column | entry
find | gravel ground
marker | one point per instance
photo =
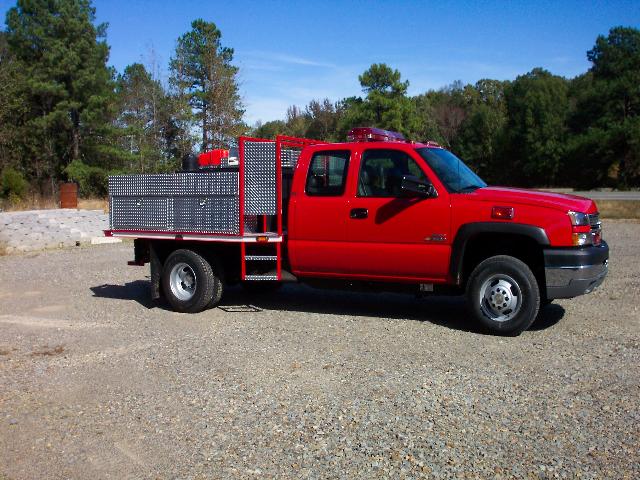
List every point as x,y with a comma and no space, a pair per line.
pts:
96,382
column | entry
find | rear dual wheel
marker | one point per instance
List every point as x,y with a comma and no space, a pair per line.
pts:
190,283
503,295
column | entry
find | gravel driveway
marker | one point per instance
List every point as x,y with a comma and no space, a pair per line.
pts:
96,382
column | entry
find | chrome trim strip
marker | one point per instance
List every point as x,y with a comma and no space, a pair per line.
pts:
200,238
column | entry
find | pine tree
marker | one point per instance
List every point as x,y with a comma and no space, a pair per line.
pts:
201,71
68,86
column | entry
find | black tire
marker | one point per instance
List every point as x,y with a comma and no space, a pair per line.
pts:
509,285
218,285
195,292
261,287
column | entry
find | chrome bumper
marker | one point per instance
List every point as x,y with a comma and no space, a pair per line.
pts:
575,271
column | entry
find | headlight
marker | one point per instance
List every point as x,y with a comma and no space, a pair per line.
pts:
586,229
579,219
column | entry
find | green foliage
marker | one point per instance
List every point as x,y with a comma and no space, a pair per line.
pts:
64,113
270,129
386,104
535,139
14,184
202,73
92,181
147,131
67,85
13,107
381,79
606,118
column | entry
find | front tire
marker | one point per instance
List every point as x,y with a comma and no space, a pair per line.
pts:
503,295
189,283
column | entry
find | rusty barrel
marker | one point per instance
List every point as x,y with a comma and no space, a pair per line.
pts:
68,195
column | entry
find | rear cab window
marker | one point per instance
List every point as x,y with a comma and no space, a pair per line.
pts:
327,175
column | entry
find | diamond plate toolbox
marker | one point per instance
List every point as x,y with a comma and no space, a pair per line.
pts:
289,157
259,178
199,202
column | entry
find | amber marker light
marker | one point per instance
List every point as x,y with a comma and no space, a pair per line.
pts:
502,213
262,239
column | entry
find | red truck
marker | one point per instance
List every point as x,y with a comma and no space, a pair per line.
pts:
377,212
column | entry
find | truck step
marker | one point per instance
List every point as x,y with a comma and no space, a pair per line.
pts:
286,276
261,277
261,257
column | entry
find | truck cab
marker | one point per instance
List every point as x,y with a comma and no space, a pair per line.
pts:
381,212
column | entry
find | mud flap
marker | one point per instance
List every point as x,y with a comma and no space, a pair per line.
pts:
156,271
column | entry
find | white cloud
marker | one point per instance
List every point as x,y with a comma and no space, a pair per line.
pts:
266,57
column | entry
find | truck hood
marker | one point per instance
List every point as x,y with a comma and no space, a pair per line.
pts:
558,201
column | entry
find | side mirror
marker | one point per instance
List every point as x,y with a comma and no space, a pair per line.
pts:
414,187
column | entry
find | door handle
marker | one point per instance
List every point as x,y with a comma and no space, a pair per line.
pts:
359,213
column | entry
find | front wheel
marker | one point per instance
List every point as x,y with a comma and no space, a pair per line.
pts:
189,282
503,295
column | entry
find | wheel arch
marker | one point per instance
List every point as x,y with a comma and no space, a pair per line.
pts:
227,256
477,241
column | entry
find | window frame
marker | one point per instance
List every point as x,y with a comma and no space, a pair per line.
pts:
345,174
362,162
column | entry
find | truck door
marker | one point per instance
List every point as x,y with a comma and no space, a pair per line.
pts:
392,235
319,209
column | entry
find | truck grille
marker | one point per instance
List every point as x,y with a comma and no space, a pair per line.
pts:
596,228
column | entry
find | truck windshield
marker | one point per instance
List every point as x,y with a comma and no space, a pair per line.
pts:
451,171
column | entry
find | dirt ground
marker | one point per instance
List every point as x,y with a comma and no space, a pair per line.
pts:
98,382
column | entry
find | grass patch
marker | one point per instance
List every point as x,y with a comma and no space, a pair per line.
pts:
42,202
94,204
619,208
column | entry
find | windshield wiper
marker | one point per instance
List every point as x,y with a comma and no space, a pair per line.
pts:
469,188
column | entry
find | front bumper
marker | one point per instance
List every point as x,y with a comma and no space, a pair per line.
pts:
570,272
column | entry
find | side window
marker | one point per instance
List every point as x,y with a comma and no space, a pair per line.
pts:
328,173
381,172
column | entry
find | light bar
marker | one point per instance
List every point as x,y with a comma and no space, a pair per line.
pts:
370,134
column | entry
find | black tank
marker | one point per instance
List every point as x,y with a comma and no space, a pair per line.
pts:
190,163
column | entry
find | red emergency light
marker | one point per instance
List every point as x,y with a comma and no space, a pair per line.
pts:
370,134
212,158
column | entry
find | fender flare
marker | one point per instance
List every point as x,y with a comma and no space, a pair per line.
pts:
469,230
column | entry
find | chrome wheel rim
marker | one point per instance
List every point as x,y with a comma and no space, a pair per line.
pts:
182,281
500,298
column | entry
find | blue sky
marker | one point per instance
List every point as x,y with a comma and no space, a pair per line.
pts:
292,52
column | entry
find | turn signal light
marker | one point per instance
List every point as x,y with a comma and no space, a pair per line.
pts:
502,213
581,239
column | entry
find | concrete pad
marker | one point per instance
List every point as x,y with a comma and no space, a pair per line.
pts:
104,240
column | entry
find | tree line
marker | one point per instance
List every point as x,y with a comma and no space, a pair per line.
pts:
540,129
66,115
